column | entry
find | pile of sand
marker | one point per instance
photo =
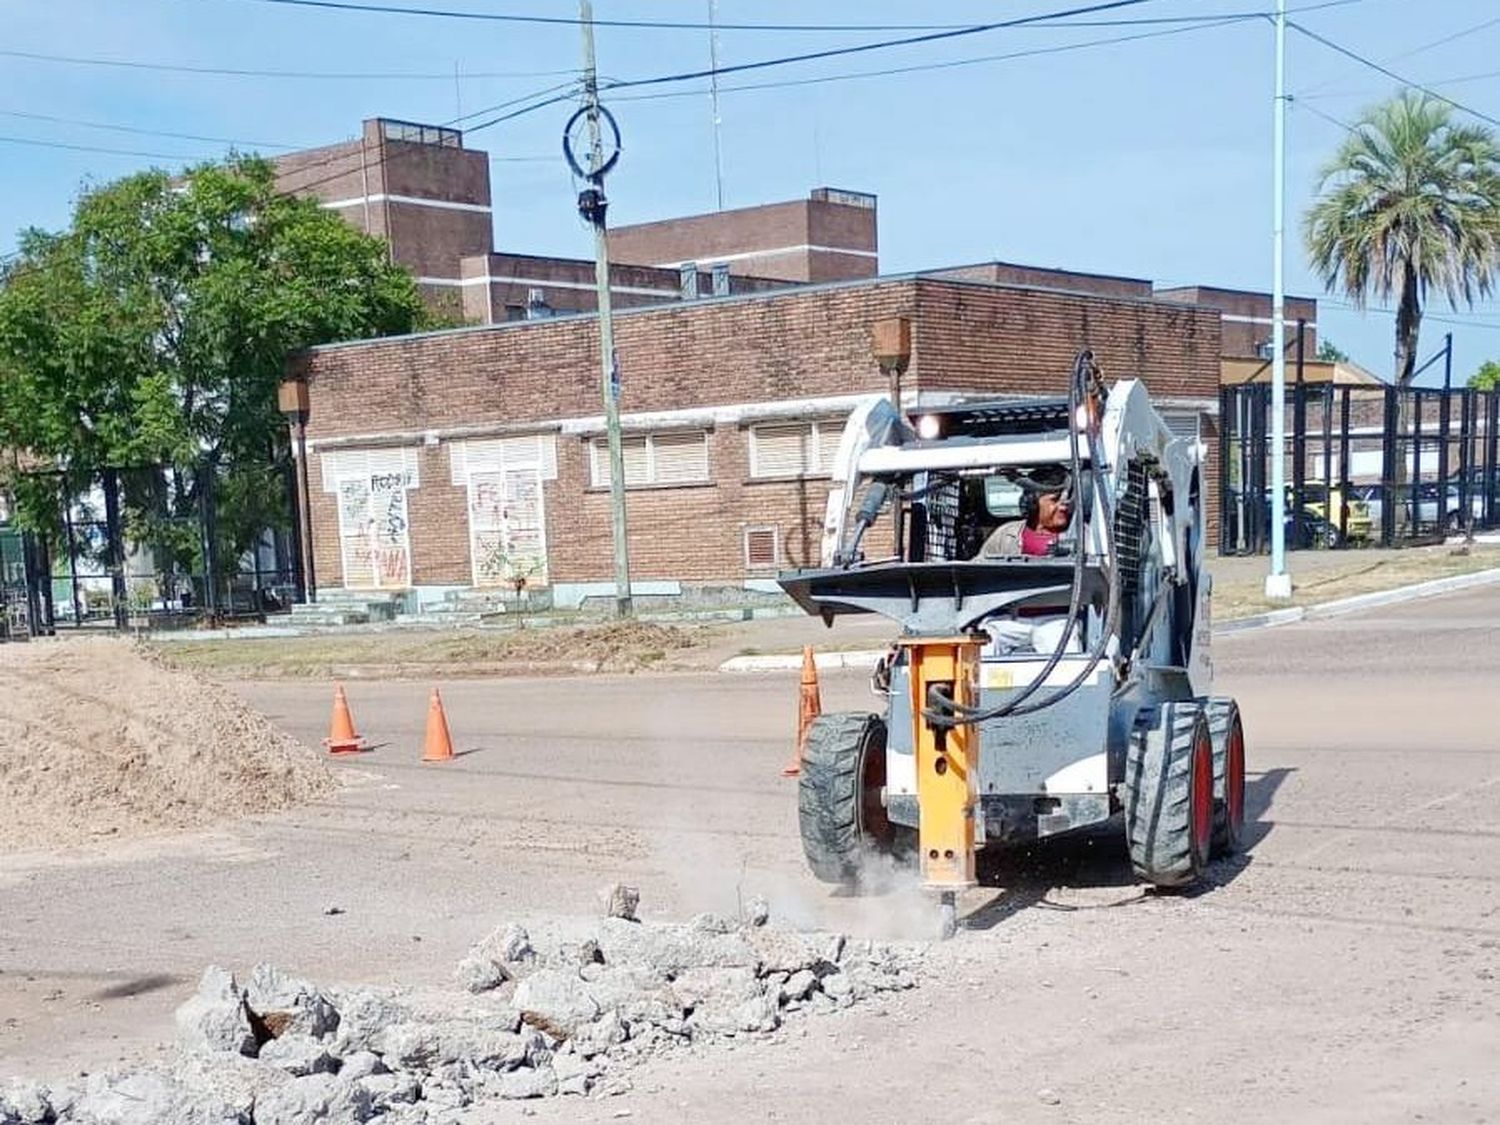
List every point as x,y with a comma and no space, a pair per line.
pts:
99,739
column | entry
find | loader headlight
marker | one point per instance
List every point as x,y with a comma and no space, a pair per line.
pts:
929,427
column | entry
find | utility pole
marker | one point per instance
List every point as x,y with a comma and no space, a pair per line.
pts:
592,205
713,93
1278,581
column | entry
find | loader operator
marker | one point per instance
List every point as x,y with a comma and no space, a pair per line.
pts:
1046,510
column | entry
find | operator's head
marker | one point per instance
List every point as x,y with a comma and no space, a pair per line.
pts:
1049,499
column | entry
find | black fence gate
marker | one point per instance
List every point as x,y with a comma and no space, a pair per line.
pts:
116,557
1365,465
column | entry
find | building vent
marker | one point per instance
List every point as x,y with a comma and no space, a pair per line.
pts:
721,279
687,280
762,548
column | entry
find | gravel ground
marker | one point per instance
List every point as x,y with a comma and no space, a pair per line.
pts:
1347,969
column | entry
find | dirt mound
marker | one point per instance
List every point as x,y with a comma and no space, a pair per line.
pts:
625,646
98,738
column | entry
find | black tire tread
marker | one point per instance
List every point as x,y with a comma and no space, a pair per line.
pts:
829,796
1159,794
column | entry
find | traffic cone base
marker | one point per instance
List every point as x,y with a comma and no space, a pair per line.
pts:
438,745
809,707
341,736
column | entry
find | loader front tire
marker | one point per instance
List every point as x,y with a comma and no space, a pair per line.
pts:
839,798
1169,790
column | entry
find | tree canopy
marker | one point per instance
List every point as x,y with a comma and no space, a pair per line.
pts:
1487,378
1329,352
155,329
1410,203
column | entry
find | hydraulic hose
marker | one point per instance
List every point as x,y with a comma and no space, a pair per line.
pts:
947,712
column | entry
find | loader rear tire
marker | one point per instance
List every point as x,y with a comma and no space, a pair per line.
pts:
1169,775
1228,734
839,799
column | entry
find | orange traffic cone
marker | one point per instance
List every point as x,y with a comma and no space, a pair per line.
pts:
341,737
438,746
809,707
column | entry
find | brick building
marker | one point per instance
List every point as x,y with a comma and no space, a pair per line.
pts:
415,186
418,188
466,458
1246,317
829,236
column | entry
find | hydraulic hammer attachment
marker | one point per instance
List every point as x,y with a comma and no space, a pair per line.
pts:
947,760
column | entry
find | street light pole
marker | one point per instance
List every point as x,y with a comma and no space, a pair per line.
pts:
592,205
1278,581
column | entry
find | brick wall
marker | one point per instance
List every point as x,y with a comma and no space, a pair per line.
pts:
790,228
1007,273
798,344
1247,317
428,240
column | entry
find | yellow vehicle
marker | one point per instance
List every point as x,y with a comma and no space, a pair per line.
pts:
1326,507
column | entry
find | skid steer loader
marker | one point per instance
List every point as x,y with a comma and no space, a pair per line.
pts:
1031,691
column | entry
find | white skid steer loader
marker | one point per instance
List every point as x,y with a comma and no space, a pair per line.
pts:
1049,674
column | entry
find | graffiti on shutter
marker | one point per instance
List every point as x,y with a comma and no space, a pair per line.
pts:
507,528
373,531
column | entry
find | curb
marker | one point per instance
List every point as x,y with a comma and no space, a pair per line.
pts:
1290,616
782,662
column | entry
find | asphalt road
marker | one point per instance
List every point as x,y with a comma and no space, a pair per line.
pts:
1347,969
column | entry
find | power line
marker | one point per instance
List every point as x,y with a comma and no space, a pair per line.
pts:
1446,39
1458,320
1031,52
233,72
94,148
573,21
140,131
1458,80
1417,50
570,87
679,25
1391,74
912,40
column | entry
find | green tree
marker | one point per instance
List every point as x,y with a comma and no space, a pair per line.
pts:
1487,378
155,329
1409,203
1329,352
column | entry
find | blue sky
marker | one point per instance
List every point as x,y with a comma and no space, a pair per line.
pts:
1148,158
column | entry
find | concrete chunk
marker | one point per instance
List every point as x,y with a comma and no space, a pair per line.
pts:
214,1018
556,1001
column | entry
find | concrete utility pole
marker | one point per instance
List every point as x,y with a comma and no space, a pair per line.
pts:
1278,581
713,93
592,205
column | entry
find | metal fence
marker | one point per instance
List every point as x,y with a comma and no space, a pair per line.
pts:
112,564
1366,465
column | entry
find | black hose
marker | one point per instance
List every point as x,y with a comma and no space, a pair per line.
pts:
949,712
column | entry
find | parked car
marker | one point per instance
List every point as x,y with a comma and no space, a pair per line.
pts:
1317,529
1328,508
1430,512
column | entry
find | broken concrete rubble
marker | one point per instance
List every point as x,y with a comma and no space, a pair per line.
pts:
562,1016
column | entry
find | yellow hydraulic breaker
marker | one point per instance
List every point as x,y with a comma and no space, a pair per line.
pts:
949,828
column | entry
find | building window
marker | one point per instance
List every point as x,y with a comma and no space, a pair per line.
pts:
793,449
762,548
672,458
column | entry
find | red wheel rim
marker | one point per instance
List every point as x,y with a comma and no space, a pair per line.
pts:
1203,794
1234,777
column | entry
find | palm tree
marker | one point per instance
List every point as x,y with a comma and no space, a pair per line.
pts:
1409,203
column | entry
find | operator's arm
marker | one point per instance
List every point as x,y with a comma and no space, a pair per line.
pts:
1003,542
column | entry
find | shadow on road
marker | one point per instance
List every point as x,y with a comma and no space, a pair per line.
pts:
1097,859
